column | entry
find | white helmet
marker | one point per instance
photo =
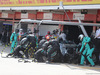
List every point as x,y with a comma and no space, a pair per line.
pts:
21,30
81,37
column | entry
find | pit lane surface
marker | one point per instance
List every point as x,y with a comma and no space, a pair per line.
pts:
11,66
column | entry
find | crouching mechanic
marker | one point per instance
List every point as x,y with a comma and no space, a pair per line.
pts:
50,49
41,42
25,44
86,50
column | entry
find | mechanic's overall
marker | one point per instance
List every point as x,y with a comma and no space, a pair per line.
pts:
62,41
20,33
86,50
97,44
13,39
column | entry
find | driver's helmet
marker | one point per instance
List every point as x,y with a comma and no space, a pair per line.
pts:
48,32
81,37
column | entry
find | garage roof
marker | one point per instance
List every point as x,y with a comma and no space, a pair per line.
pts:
68,7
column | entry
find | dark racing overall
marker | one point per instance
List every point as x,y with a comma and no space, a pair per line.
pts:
50,49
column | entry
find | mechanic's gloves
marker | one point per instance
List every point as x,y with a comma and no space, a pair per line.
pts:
10,41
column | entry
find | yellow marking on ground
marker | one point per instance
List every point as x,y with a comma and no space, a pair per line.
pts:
97,68
83,67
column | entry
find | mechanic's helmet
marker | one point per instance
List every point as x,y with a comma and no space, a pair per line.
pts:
23,41
29,31
48,38
98,27
81,37
43,37
54,32
16,30
21,30
34,30
48,32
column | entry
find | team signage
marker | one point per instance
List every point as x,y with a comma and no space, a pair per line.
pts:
45,2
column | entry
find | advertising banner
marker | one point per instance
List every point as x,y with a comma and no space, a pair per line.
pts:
77,16
4,15
7,3
24,15
47,16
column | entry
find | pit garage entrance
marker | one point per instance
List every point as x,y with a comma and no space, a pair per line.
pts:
72,32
